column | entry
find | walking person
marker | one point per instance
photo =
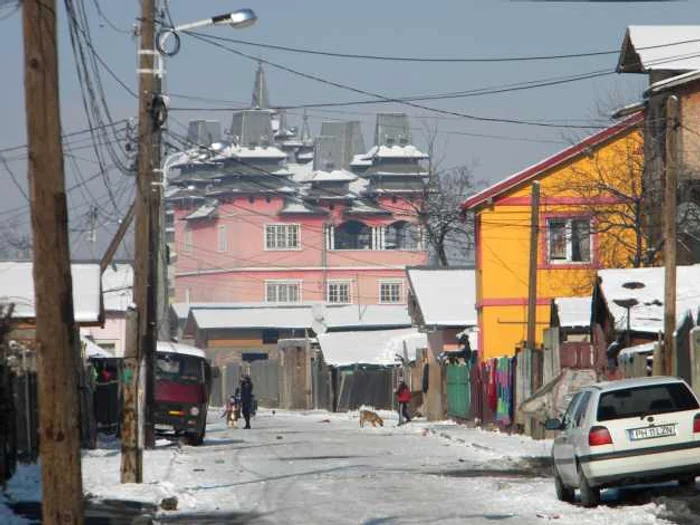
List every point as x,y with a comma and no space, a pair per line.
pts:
246,399
403,396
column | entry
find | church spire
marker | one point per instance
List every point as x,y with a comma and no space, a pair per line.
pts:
260,98
305,135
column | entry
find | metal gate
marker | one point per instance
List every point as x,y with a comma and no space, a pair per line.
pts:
458,391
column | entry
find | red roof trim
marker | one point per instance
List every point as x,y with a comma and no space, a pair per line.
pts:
551,162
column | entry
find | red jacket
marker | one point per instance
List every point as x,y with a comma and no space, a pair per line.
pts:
403,395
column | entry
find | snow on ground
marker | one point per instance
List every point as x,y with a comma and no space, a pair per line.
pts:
318,467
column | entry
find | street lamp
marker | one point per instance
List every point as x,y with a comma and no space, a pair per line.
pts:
239,19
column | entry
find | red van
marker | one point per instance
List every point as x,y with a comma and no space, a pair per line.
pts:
183,377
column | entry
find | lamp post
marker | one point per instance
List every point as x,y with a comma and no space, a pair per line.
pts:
148,207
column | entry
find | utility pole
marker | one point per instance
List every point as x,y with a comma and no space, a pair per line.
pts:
56,344
131,451
670,234
532,278
145,287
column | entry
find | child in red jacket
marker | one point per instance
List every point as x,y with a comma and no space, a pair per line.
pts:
403,396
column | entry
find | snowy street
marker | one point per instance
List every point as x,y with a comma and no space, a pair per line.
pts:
320,468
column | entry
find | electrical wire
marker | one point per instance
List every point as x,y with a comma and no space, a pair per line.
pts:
443,60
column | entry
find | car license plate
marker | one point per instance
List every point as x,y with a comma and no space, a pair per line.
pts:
637,434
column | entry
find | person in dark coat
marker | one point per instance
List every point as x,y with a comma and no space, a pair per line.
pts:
403,396
246,399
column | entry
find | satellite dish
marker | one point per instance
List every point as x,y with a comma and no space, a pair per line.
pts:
318,322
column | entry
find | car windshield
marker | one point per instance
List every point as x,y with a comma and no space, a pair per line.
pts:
183,368
645,400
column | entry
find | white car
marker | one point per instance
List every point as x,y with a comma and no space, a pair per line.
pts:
625,432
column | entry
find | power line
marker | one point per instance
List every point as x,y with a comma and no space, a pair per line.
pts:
381,97
390,58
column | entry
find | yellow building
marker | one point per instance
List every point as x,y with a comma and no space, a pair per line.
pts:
589,218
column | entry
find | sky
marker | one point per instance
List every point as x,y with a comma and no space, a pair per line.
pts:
212,77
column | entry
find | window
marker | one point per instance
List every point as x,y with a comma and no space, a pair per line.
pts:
187,244
283,291
569,240
339,292
645,401
353,235
282,237
223,241
390,291
402,235
580,411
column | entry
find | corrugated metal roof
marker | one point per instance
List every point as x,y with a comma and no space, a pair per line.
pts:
446,296
203,212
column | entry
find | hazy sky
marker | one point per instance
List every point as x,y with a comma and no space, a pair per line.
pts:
455,28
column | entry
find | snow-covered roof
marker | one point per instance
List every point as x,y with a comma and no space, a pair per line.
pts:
408,151
377,347
93,350
17,286
574,312
660,47
292,206
446,296
330,176
356,316
644,348
179,348
203,212
300,172
117,286
257,152
261,317
361,160
646,286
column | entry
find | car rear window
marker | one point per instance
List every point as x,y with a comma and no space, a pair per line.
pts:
645,400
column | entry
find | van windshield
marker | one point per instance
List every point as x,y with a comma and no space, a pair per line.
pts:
181,368
645,400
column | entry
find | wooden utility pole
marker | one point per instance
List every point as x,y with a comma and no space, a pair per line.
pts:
145,288
532,277
132,453
670,234
56,343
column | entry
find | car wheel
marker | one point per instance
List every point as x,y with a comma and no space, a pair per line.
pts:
590,496
564,493
686,481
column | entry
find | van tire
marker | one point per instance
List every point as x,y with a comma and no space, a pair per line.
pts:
564,493
687,481
590,496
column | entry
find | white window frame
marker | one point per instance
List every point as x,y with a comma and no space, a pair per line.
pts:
568,238
339,282
283,282
188,240
286,226
222,238
398,282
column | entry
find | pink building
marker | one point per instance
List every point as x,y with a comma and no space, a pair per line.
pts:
251,222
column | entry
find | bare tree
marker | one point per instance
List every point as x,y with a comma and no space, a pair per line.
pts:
609,187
